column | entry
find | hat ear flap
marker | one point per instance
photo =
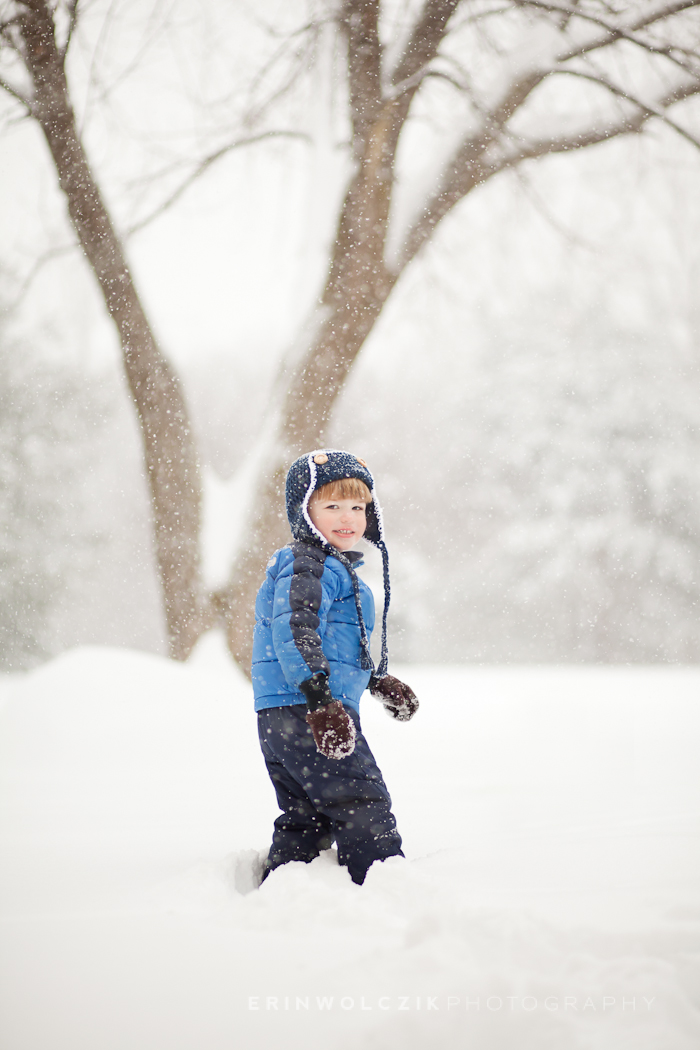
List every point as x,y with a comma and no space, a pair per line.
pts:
374,532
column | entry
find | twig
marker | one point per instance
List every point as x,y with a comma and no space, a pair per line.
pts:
537,202
17,95
616,32
47,257
203,166
653,111
73,21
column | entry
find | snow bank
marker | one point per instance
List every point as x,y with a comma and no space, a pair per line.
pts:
550,896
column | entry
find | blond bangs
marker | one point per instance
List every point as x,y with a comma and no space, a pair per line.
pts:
344,488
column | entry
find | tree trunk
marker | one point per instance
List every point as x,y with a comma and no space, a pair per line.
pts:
171,461
299,426
357,288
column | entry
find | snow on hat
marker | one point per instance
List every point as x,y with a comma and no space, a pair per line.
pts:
310,472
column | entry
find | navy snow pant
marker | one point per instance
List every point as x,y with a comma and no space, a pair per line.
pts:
325,799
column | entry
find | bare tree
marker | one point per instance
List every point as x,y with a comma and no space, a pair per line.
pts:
502,57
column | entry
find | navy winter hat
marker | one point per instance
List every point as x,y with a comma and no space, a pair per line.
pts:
310,472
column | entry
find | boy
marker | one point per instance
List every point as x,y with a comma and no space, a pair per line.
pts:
311,664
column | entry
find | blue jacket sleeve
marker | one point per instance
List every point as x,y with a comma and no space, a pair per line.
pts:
303,595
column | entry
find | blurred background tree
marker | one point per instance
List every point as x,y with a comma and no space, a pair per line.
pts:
563,523
50,419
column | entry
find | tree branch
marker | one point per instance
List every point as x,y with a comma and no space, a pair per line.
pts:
663,12
72,22
469,169
467,166
203,166
567,18
6,35
615,32
17,95
359,21
47,257
425,39
630,126
541,206
301,56
651,110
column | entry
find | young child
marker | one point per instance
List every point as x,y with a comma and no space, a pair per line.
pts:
311,664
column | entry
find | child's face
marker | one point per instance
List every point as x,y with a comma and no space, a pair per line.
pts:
341,522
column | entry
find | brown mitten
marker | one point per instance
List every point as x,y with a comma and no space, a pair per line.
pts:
331,725
333,730
398,699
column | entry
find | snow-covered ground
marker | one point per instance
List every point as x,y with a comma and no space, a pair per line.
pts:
550,897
